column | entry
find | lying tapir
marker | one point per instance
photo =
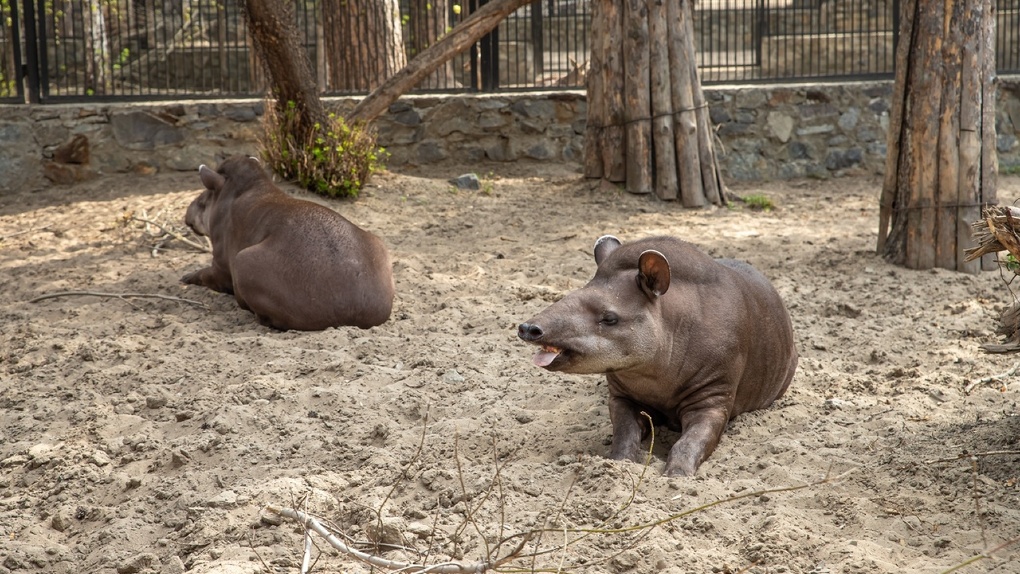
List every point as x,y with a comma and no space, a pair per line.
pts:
693,341
294,263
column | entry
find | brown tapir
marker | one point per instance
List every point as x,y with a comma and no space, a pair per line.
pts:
294,263
693,341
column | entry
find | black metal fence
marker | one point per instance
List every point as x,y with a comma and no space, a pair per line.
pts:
75,50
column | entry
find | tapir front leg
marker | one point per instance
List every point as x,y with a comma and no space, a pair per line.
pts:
700,435
629,429
211,277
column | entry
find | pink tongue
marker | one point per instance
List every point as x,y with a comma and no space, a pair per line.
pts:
543,358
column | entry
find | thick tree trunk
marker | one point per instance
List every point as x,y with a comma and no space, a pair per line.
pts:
276,42
478,24
429,20
364,41
941,162
648,123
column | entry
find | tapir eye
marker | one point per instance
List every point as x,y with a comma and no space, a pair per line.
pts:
609,318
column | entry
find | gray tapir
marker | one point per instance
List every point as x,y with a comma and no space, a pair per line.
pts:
294,263
693,341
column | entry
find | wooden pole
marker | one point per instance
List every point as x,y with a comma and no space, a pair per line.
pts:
950,143
896,113
989,157
923,167
595,84
969,184
662,116
613,145
686,127
637,98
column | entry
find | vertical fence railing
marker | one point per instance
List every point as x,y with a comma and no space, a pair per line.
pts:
98,50
11,71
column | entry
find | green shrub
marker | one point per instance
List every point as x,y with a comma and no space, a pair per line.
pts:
759,202
334,160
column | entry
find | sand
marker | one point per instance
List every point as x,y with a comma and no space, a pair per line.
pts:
148,435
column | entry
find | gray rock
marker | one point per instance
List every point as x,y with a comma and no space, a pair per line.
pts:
468,181
780,126
144,131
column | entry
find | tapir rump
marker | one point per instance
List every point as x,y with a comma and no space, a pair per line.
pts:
691,340
295,264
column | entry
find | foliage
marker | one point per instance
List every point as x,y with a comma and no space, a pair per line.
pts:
759,202
334,160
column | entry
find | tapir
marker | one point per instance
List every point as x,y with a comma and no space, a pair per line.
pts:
294,263
690,340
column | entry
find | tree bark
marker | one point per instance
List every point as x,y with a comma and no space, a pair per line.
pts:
648,121
276,42
459,39
430,19
941,161
365,42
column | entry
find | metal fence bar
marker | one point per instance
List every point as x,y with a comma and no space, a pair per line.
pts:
103,50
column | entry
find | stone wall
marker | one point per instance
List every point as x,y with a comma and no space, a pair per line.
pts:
765,132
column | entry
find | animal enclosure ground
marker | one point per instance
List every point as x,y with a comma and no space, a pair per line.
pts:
146,435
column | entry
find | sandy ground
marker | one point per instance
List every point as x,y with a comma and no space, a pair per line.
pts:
146,435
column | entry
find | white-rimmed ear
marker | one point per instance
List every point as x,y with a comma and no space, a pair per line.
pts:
210,179
653,273
257,160
604,246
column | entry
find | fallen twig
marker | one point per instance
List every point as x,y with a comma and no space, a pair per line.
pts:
314,525
23,232
124,296
178,236
993,378
968,455
982,556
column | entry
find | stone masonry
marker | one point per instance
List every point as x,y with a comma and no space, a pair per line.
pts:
764,132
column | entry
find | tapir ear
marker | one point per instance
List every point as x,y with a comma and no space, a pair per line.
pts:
210,179
653,273
604,246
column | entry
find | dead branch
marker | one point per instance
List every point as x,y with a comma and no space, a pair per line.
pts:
983,555
171,233
995,232
123,296
974,455
23,232
993,378
312,523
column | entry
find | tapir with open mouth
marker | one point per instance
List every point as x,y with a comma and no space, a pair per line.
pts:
691,340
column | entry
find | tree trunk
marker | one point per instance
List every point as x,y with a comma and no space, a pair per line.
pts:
941,164
277,44
648,124
429,20
97,46
478,24
364,41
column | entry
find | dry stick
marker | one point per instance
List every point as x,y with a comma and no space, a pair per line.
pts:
982,556
992,378
977,501
964,455
468,513
404,472
174,234
17,233
306,560
124,296
314,525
